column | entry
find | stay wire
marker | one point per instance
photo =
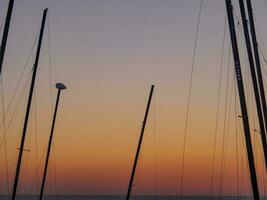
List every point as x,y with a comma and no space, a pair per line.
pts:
4,131
236,144
189,98
36,142
217,111
224,124
19,81
227,134
16,108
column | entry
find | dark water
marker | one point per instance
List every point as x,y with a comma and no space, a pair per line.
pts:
91,197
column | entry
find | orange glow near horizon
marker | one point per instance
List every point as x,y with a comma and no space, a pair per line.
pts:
108,53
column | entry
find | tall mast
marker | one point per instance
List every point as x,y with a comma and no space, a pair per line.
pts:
5,33
242,100
254,79
257,60
60,87
139,144
35,66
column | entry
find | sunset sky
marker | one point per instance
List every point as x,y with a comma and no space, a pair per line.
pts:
108,53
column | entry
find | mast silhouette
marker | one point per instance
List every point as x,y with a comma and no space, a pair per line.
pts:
60,87
139,144
35,66
258,63
254,79
242,100
5,33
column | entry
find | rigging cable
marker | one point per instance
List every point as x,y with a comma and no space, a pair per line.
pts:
224,122
16,107
189,98
4,131
16,89
245,169
4,125
217,110
19,81
36,142
227,137
1,25
236,144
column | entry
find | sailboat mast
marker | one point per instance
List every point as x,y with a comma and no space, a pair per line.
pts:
60,87
254,79
5,33
257,61
35,66
139,144
242,100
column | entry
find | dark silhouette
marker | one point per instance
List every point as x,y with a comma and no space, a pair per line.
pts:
5,33
139,143
254,79
35,66
60,87
242,99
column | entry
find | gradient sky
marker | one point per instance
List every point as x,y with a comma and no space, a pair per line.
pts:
108,53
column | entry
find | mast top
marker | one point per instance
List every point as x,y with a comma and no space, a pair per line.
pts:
61,86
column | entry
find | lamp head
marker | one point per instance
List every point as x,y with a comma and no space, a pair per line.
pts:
61,86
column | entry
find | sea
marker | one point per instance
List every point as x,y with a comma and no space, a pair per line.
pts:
147,197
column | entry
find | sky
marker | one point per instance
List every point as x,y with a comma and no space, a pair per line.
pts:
109,53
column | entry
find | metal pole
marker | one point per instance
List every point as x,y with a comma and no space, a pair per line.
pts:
242,100
5,33
139,144
254,79
257,60
35,66
60,87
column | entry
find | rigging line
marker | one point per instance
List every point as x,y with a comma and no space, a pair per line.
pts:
262,168
236,143
224,121
155,145
31,187
189,98
16,107
257,156
19,81
241,151
4,131
25,178
257,27
50,62
217,110
36,143
227,131
121,164
245,169
1,25
263,56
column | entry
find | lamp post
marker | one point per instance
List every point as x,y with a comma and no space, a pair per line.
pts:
59,86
